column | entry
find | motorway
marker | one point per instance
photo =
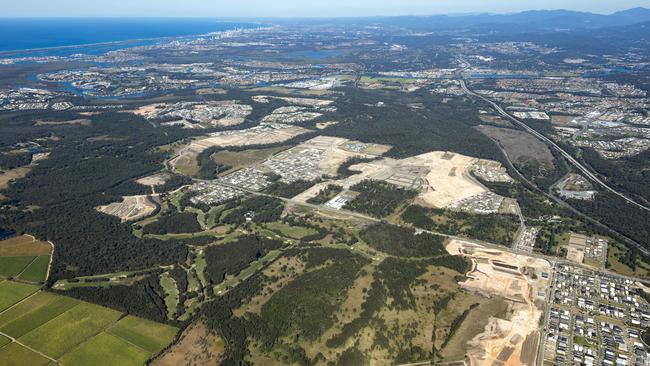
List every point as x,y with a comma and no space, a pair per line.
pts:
548,141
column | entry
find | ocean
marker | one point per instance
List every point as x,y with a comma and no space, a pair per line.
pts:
20,34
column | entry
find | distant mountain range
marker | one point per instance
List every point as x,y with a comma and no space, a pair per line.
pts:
528,21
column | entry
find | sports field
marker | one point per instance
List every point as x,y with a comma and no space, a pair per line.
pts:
50,327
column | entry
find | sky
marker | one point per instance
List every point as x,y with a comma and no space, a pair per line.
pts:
293,8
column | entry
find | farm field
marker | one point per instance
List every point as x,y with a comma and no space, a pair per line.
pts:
143,333
14,354
12,292
71,331
12,266
24,257
36,270
105,350
23,245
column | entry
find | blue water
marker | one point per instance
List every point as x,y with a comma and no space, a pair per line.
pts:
6,234
38,33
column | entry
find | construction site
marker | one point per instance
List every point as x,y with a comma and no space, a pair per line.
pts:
522,281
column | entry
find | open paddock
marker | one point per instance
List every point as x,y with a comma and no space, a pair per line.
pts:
24,245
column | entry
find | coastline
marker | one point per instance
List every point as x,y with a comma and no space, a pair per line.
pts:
236,26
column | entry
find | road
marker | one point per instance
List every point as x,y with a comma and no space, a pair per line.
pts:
549,142
552,259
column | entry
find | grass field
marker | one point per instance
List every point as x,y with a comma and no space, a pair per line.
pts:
240,159
14,354
4,340
148,335
11,266
29,315
37,270
73,331
473,324
12,292
106,350
69,329
171,292
295,232
614,253
23,245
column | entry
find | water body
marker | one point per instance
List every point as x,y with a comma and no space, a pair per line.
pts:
40,35
6,234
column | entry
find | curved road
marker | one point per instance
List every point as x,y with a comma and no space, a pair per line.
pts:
548,141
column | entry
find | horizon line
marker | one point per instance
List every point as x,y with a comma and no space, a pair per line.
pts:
450,14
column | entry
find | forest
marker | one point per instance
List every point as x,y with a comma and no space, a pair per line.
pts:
402,241
493,228
378,199
230,258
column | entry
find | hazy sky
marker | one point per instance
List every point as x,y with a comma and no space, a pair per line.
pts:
293,8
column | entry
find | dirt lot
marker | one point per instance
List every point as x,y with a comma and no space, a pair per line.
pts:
522,148
197,346
24,245
517,278
441,177
131,208
338,150
576,248
154,180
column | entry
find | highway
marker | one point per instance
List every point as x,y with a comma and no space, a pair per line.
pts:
549,142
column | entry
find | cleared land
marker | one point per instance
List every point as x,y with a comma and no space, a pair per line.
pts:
80,121
8,176
518,279
522,147
185,162
132,208
197,346
154,180
24,245
241,159
441,177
